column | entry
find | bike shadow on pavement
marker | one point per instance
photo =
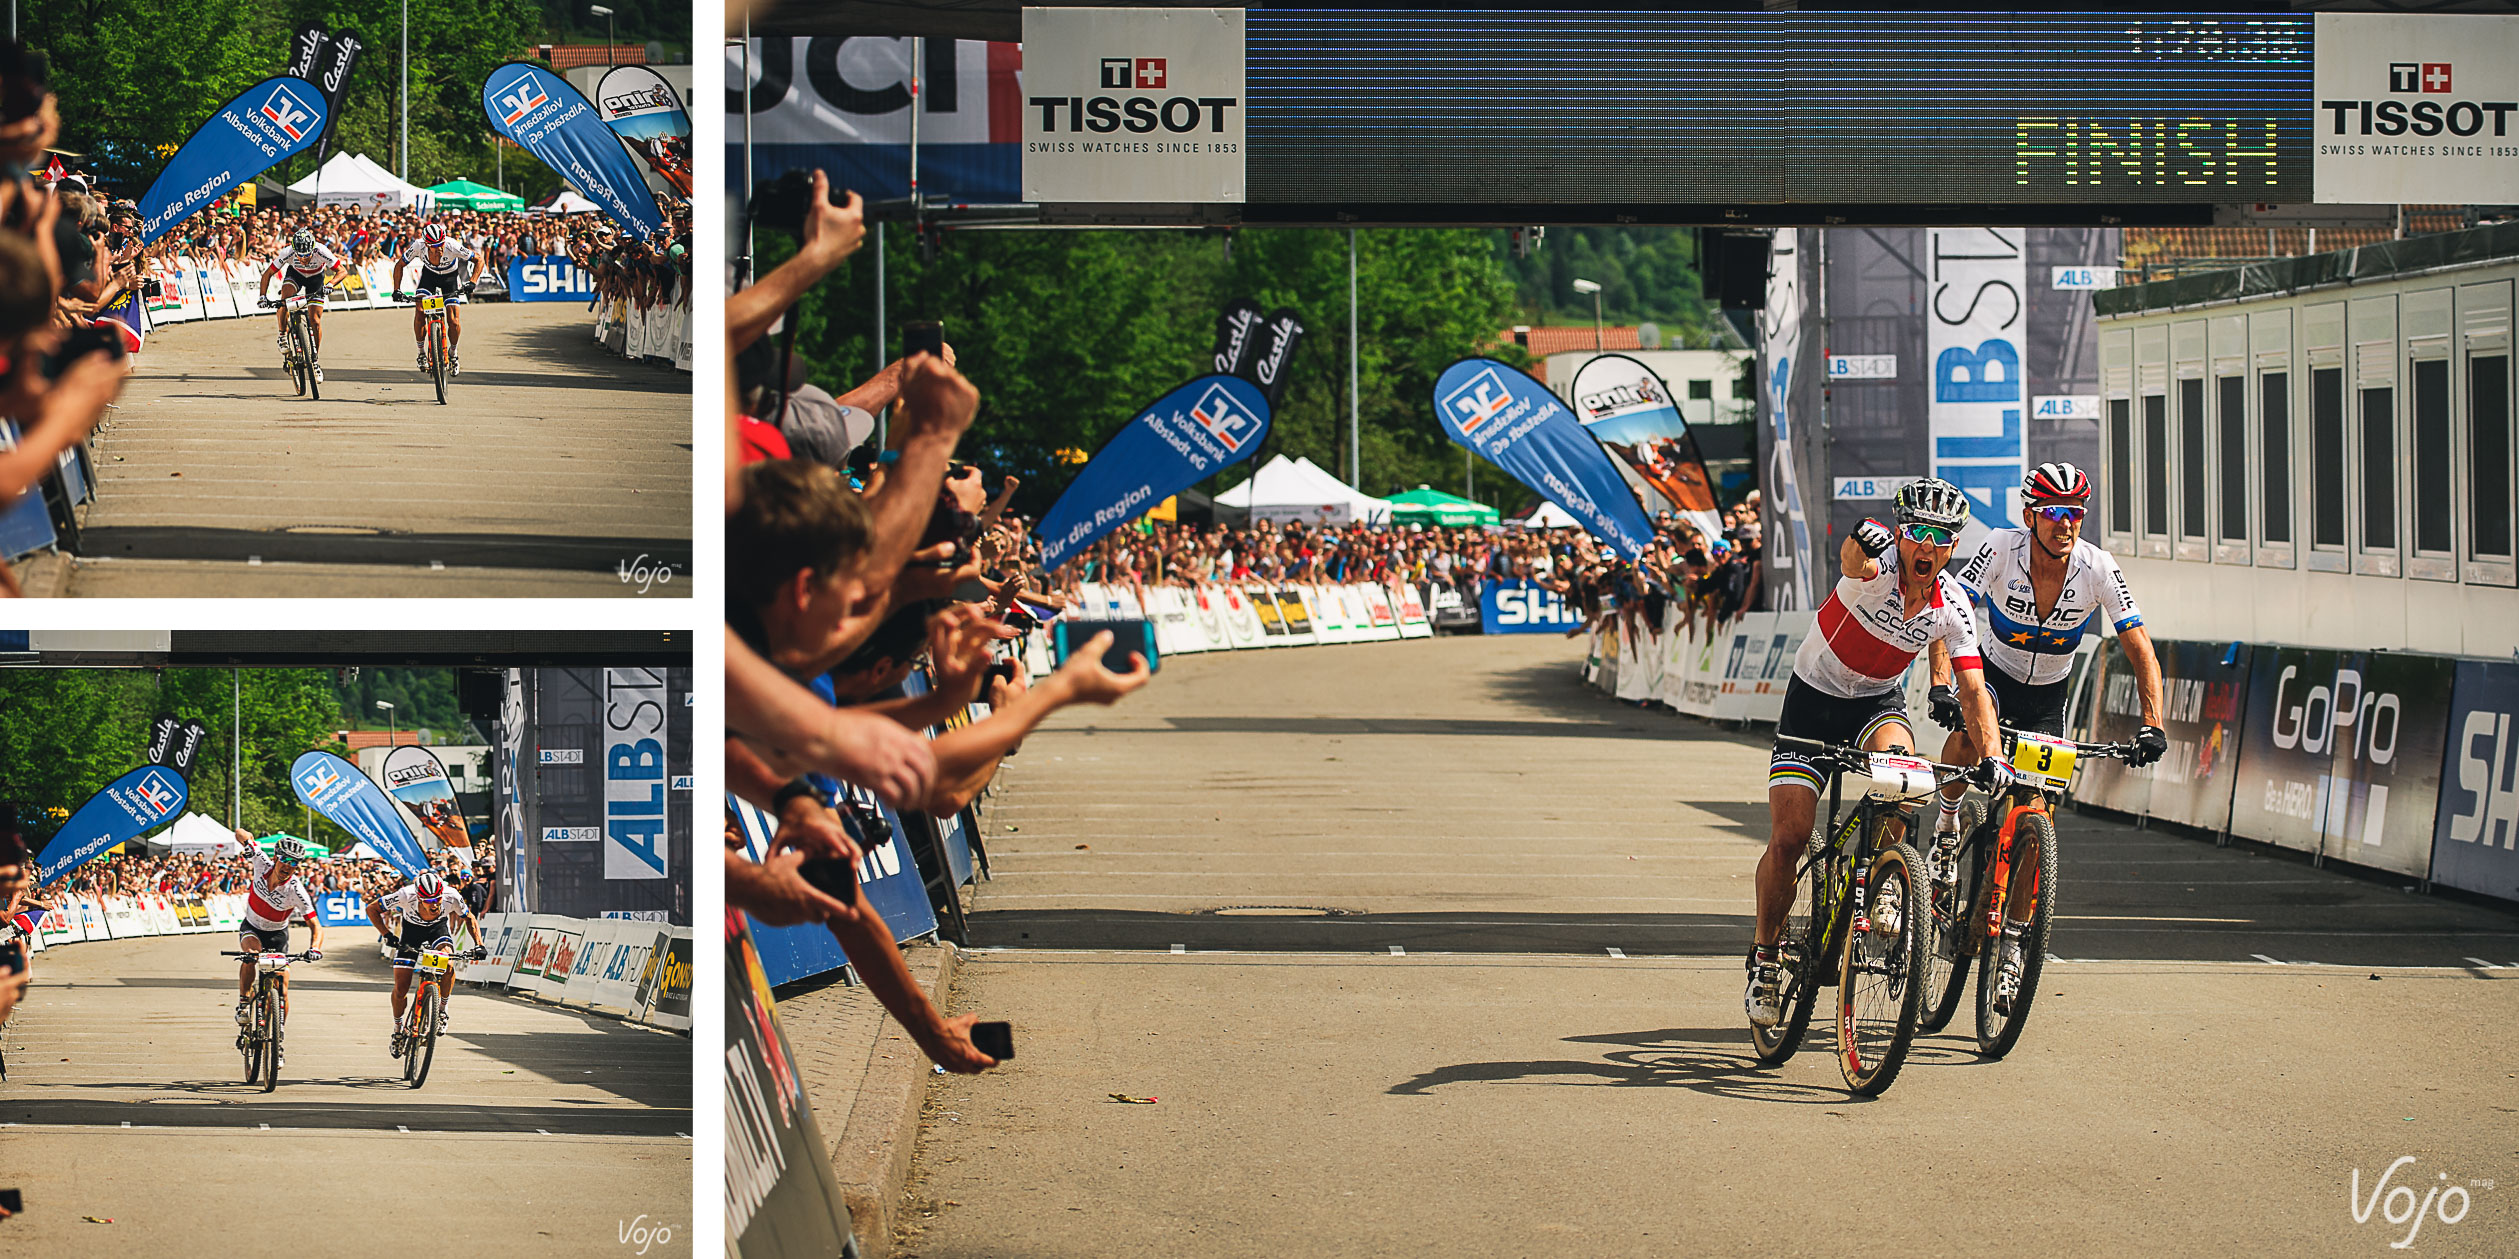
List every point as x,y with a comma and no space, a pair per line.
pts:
1715,1061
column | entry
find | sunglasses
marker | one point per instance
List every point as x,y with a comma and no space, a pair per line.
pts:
2064,515
1927,535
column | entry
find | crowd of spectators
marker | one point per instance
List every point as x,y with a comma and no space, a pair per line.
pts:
199,874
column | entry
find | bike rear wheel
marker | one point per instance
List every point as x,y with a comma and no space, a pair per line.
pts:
422,1050
2033,876
1949,943
1881,994
437,358
1801,955
270,1044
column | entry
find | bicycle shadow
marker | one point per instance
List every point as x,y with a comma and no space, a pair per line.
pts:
1713,1061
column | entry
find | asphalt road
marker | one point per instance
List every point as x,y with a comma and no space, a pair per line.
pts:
1422,948
552,465
539,1131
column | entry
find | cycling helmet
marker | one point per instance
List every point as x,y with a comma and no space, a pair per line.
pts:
1932,501
287,850
2055,483
304,240
433,235
428,885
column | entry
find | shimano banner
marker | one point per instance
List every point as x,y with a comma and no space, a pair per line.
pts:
130,806
553,121
2475,840
265,124
1518,607
643,110
842,105
1187,436
548,278
1512,421
1631,413
335,788
1978,320
414,776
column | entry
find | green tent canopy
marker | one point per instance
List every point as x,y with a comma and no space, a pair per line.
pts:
1427,506
467,195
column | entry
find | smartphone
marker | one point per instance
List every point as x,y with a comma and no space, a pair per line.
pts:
1128,638
923,336
831,876
997,1040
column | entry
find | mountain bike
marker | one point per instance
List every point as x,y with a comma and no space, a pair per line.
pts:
425,1017
259,1039
1857,915
441,357
297,345
2005,891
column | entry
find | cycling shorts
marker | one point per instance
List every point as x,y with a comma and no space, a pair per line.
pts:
1811,713
253,939
2023,706
317,284
416,936
448,282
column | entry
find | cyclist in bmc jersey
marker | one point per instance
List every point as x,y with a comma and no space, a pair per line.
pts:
2042,587
415,916
304,265
1846,687
451,268
274,898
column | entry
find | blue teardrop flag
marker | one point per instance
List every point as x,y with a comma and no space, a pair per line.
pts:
335,788
556,123
130,806
1212,422
265,125
1498,411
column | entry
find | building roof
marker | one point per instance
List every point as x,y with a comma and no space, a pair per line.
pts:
571,56
1543,342
357,739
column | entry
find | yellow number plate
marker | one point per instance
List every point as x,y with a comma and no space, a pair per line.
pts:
2042,761
435,960
432,303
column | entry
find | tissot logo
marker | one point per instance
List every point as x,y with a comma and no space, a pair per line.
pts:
1136,72
2418,76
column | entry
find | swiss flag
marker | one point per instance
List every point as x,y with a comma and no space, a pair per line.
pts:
2435,76
1151,72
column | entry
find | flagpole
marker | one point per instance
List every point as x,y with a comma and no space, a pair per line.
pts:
405,173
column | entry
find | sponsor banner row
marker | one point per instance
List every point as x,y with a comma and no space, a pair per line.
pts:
637,332
1735,671
1190,619
193,288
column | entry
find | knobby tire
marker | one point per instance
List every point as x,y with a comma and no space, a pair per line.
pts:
1997,1033
1880,994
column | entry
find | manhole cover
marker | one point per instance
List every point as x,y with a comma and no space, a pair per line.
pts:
1276,911
344,529
184,1101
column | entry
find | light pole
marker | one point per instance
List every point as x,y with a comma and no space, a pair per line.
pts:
1587,286
606,14
390,728
404,174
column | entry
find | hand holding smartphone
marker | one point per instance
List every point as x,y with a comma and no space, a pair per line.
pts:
997,1040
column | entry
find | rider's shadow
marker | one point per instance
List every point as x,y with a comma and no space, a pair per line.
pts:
1714,1061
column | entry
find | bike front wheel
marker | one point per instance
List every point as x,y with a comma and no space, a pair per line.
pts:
437,360
422,1050
1880,996
270,1043
1802,954
2033,877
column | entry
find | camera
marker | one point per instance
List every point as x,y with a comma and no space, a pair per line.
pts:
874,830
1021,622
780,203
79,344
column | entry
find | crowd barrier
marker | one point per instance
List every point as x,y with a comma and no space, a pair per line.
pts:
646,332
1735,671
194,288
1249,616
637,969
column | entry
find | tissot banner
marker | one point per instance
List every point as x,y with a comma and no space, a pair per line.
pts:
841,104
647,114
556,123
1189,434
1512,421
1631,413
130,806
1142,105
265,124
414,776
2475,841
2416,108
335,788
1976,321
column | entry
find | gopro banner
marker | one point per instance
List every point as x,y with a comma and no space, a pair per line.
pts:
634,773
547,278
1518,607
1631,413
269,122
1516,424
2475,840
335,788
414,776
2416,108
1978,319
645,112
841,104
554,122
1211,423
2342,754
130,806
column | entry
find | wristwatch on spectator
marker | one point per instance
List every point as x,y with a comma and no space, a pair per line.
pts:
793,788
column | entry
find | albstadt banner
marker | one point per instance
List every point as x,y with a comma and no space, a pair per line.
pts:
1187,436
556,123
414,776
1977,319
1631,413
647,114
1513,422
128,807
263,126
336,789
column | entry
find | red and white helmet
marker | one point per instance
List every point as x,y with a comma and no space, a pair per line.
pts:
428,885
2055,483
433,235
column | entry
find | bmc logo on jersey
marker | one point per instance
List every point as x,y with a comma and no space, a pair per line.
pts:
284,111
520,97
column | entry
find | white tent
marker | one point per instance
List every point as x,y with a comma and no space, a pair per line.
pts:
566,201
1299,489
351,179
198,833
1548,516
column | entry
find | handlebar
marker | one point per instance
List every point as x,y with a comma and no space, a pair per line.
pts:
308,955
2111,751
1845,758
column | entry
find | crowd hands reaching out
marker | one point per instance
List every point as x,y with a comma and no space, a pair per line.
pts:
848,568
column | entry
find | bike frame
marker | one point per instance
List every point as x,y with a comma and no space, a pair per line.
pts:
2023,798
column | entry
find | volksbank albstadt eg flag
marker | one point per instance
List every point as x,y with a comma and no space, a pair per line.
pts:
335,788
1212,422
556,123
268,123
141,801
1510,420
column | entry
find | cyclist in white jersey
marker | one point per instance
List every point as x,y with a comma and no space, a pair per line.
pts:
450,267
2042,588
274,897
415,916
304,264
1846,687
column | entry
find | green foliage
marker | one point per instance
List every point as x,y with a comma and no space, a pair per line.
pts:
422,699
1068,333
65,733
1645,274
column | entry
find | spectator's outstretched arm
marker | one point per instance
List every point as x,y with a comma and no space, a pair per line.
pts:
60,416
967,758
794,730
937,405
832,233
870,947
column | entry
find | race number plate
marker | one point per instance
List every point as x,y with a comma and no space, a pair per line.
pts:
272,961
2042,762
432,302
1899,777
